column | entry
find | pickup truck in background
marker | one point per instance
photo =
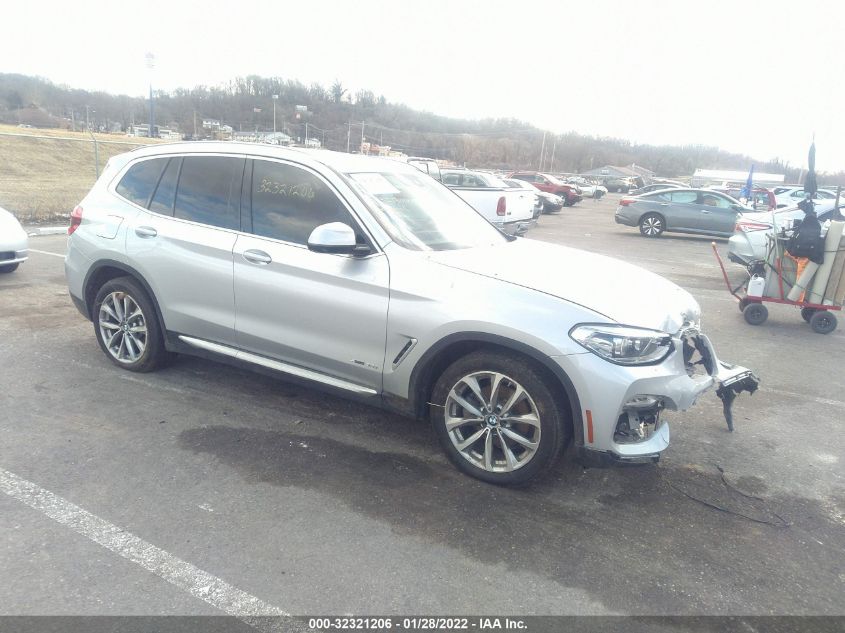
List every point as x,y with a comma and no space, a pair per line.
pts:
509,209
546,182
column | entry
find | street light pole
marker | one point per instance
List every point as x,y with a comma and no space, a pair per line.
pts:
151,62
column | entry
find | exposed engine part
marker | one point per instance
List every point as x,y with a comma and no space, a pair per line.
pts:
638,420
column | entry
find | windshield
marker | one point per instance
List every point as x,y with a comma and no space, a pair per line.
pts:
553,180
421,214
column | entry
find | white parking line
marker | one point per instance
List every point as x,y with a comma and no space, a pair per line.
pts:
200,584
803,396
35,250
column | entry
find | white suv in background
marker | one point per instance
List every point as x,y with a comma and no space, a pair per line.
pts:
368,278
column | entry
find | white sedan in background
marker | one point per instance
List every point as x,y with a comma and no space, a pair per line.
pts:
748,243
14,244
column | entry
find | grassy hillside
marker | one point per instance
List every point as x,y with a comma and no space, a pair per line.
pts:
42,179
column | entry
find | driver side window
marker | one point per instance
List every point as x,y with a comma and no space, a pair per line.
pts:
289,202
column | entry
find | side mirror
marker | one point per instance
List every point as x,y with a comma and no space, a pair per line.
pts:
336,238
738,207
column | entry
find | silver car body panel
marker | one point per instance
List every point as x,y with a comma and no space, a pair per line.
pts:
364,324
13,239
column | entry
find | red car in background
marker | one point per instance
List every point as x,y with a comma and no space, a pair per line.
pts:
570,193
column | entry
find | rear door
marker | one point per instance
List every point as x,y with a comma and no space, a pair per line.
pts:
182,244
326,313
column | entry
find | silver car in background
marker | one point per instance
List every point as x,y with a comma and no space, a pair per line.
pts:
698,211
369,279
14,243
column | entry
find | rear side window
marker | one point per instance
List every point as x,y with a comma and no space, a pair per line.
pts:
209,190
289,202
684,197
138,183
162,201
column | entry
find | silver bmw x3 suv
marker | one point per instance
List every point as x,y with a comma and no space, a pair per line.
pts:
366,277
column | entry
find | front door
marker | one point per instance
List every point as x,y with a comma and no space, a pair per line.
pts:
323,312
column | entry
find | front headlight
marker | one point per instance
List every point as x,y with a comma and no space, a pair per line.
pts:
623,344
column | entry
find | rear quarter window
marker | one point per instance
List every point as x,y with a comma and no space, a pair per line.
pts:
139,182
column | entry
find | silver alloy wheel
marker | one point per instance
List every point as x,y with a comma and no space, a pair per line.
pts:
123,327
652,226
492,421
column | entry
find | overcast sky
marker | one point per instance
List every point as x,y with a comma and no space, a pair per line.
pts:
753,77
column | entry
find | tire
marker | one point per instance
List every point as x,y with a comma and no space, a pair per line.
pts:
135,343
9,268
652,225
755,314
823,322
539,439
807,313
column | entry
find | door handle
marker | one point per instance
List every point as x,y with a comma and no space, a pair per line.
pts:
705,211
257,257
664,204
145,231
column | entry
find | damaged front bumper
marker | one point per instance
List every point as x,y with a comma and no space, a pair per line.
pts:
622,407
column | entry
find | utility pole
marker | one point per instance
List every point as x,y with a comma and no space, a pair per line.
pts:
195,125
306,133
542,151
275,98
72,120
362,136
552,163
87,117
348,136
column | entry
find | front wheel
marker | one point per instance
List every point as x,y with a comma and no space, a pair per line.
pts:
9,268
127,327
652,225
497,418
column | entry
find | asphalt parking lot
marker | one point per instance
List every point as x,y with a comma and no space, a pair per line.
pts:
291,500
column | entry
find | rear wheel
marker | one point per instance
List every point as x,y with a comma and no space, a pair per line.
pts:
9,268
497,418
127,327
823,322
652,225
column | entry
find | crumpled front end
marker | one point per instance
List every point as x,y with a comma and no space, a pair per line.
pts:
623,406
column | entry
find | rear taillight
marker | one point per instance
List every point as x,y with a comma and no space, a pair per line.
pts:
745,226
501,207
624,202
75,220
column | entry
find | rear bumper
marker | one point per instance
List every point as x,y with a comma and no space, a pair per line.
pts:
13,257
623,219
519,227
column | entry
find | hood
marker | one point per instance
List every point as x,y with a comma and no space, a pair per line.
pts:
9,225
616,290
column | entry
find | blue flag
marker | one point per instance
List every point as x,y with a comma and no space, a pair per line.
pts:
748,189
